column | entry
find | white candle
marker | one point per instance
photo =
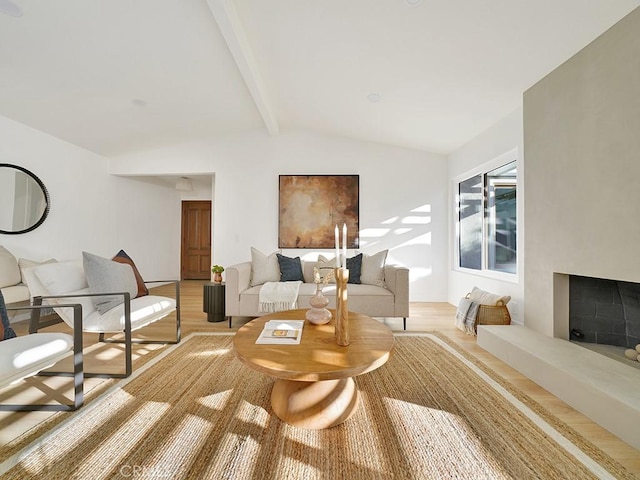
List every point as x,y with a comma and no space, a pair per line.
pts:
344,245
337,248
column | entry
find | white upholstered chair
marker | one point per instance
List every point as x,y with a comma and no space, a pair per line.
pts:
29,355
109,300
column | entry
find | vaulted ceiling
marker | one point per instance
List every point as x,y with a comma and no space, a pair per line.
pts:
118,76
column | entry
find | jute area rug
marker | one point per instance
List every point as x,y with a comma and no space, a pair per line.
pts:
196,412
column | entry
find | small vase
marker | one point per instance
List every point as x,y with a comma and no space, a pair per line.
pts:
318,314
217,277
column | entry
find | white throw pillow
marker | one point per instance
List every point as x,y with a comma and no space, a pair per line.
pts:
62,277
66,313
9,271
373,269
487,298
324,264
30,279
264,268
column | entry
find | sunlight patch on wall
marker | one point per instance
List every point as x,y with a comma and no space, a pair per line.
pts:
414,220
426,208
416,273
373,232
424,239
414,223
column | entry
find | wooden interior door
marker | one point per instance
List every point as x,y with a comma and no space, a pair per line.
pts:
196,240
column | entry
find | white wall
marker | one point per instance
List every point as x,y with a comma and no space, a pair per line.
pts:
582,197
399,189
90,209
504,136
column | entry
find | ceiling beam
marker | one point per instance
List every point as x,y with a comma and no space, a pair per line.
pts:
229,23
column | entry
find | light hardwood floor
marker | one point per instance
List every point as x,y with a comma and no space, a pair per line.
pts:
423,317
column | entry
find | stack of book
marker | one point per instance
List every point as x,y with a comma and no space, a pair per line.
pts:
281,332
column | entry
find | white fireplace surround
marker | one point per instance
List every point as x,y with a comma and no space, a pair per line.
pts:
605,390
561,305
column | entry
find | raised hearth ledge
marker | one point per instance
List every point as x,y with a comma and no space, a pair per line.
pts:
603,389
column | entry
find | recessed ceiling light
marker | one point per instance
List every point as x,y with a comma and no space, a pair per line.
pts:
413,3
374,97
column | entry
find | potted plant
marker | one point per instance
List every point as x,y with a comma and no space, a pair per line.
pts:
217,273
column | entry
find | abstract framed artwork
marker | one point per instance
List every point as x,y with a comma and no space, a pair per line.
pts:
310,206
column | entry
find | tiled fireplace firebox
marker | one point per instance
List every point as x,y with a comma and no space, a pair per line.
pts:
604,311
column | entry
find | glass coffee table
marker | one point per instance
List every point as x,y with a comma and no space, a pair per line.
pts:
314,386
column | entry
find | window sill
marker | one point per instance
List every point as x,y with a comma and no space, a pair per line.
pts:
503,277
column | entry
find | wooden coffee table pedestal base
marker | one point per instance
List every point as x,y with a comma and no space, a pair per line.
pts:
314,405
314,384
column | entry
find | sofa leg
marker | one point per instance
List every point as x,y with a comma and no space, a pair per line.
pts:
404,323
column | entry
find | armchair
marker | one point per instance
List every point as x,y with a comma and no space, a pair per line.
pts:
121,311
29,355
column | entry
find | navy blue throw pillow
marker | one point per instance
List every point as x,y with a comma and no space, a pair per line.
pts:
354,265
6,332
290,268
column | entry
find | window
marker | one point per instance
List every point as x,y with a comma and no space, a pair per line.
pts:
487,213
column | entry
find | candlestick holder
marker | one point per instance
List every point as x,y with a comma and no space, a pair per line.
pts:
342,307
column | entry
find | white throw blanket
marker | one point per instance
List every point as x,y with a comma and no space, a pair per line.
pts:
278,296
466,316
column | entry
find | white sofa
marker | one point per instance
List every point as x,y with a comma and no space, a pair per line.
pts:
13,290
241,299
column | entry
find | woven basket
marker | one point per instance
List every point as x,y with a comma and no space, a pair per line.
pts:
492,315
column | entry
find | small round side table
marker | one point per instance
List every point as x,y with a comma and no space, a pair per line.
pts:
213,302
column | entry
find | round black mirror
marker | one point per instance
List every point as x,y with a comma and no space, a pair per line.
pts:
24,200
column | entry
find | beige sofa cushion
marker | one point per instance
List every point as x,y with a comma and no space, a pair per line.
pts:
373,269
9,270
324,263
307,270
367,299
264,268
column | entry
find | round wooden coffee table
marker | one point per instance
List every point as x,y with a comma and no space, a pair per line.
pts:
314,385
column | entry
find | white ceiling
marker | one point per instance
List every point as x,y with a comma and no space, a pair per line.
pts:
117,76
